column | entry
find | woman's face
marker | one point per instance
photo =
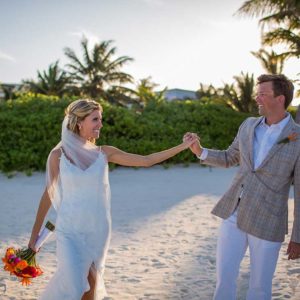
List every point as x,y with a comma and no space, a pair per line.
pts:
91,125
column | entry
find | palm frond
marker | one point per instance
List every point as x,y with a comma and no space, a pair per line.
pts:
74,59
281,35
98,71
257,8
272,62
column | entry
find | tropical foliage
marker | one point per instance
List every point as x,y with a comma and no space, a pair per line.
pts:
11,91
206,91
272,62
240,95
146,94
53,81
280,20
98,74
31,125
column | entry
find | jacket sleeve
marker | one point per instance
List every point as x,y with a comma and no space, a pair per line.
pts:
296,224
225,158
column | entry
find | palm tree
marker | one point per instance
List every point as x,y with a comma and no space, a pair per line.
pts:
284,15
121,96
271,61
53,82
146,94
99,74
206,91
11,91
240,96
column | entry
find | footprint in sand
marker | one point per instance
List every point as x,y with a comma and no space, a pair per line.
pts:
133,280
144,258
2,288
125,247
294,271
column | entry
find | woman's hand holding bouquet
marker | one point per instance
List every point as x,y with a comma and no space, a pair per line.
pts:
21,262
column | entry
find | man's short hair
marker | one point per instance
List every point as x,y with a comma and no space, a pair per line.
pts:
281,86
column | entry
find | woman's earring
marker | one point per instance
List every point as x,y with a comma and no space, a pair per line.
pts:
79,126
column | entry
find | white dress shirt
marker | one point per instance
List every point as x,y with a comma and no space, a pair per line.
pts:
265,137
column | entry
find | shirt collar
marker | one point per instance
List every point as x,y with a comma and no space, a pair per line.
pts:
278,126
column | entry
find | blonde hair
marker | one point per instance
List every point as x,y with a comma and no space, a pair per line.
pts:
78,110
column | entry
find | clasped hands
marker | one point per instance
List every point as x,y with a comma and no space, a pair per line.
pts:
195,147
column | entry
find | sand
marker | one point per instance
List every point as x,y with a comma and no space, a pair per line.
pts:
164,237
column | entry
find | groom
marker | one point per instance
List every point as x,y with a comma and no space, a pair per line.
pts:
255,207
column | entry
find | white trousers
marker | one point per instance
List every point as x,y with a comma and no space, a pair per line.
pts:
231,248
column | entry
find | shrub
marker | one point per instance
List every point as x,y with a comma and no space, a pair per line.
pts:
31,126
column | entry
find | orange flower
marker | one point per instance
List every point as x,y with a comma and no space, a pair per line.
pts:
5,261
8,267
290,138
39,271
21,265
10,251
25,281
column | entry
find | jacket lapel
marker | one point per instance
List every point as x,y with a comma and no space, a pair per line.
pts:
287,130
251,140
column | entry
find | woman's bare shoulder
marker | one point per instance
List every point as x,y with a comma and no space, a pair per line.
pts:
55,155
108,149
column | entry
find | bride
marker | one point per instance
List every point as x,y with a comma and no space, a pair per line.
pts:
78,188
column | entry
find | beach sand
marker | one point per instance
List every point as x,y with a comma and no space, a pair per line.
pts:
163,241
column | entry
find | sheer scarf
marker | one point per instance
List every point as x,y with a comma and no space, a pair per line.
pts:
80,152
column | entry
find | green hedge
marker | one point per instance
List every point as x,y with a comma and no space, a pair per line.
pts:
30,127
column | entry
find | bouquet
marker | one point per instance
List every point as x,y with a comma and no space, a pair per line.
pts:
21,262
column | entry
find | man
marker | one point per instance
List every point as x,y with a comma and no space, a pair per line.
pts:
255,208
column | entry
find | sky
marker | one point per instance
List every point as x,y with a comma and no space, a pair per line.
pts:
179,43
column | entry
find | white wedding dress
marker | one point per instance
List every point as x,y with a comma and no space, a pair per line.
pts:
83,230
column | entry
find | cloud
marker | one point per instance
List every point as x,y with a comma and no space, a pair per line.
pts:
5,56
92,38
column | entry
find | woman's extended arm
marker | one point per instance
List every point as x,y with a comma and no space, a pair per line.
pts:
120,157
45,202
43,209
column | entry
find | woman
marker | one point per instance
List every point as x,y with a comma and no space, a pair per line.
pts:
78,188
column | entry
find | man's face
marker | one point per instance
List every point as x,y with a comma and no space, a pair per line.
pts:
266,100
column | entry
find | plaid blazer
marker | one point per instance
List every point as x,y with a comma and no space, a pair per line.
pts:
263,206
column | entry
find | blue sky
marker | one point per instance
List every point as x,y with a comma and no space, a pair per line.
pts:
179,43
